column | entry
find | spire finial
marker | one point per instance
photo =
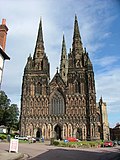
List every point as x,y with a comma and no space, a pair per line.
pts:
101,98
40,33
63,43
57,69
63,38
76,29
75,17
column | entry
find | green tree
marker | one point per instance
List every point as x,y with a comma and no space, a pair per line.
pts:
8,112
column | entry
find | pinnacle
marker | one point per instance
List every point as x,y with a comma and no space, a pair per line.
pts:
75,17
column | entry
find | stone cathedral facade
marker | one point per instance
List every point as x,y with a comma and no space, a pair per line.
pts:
66,105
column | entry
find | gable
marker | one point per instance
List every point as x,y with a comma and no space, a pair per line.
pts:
57,82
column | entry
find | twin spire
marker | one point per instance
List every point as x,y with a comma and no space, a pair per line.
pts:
39,48
76,45
76,35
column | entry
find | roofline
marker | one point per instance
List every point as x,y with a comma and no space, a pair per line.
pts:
5,56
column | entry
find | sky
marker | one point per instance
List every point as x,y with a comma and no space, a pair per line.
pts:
99,24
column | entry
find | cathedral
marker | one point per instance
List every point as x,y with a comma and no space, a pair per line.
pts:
64,106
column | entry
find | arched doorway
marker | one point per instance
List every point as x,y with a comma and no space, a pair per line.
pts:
58,132
38,134
79,133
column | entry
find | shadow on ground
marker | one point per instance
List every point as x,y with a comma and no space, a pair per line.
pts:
64,154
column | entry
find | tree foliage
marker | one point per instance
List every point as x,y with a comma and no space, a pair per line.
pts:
8,112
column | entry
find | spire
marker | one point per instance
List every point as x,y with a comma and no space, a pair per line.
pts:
101,99
40,33
39,48
76,30
63,48
64,62
77,43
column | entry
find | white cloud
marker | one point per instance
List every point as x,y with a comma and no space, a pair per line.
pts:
106,61
108,85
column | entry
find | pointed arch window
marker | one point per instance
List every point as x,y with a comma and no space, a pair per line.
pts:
82,88
77,64
27,89
42,65
38,89
77,87
98,118
57,105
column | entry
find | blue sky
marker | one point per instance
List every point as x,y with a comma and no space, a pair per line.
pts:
99,23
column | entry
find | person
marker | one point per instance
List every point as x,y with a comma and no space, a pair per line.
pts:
29,139
42,139
8,138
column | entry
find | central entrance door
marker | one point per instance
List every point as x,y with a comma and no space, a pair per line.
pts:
58,132
79,134
38,134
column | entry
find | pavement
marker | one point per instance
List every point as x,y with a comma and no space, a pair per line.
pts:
49,152
6,155
11,156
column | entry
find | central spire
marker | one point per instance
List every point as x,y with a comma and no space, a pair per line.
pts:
63,47
64,62
39,48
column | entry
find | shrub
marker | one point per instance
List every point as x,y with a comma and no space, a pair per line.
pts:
56,143
81,144
3,136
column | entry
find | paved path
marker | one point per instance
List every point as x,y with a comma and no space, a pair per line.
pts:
44,151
